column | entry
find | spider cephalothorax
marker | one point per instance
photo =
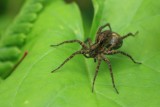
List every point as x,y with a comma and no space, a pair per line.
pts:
106,43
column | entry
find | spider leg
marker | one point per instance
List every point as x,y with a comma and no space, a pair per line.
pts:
100,31
102,27
110,48
95,75
88,40
129,34
71,56
111,73
123,53
72,41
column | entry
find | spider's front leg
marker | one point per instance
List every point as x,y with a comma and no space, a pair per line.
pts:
123,53
72,41
75,53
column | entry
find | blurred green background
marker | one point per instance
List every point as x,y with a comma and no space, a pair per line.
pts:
33,85
10,8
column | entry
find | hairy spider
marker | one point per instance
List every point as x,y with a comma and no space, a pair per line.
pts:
106,43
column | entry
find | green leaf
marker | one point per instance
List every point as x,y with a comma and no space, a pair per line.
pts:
32,84
13,39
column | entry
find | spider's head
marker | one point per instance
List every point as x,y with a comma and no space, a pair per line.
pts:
116,41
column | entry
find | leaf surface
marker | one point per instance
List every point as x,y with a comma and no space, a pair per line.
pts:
32,84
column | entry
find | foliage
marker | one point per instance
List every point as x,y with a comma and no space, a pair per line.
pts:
43,22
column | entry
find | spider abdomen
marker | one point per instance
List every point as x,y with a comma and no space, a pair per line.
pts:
115,41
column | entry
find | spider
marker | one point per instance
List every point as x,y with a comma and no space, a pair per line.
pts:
106,43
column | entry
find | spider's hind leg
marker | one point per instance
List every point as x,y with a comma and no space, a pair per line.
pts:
129,34
123,53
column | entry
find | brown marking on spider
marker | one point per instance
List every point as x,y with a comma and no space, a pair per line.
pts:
106,43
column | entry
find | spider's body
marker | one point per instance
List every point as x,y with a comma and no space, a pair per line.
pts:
105,40
106,43
115,39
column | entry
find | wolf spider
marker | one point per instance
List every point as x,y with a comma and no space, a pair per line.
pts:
106,43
